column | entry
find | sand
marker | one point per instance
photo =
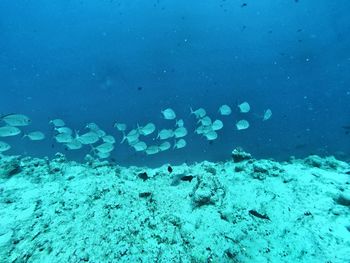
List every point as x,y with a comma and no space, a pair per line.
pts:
241,210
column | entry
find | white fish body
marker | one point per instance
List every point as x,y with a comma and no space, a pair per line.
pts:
242,125
217,125
120,126
164,146
75,144
108,138
244,107
205,121
7,131
16,120
147,129
267,115
180,144
103,155
63,138
132,136
57,122
140,146
64,130
35,136
225,110
4,146
180,123
169,114
203,130
153,149
180,132
212,135
88,138
105,147
92,126
199,113
165,134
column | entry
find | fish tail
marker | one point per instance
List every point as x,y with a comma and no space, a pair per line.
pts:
124,138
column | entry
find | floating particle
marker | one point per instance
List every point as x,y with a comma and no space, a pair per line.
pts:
7,131
4,146
212,135
242,125
153,149
225,110
105,147
169,114
108,138
217,125
57,123
35,136
180,132
164,146
180,144
244,107
147,129
140,146
64,130
199,113
63,138
267,115
16,120
88,138
165,134
120,126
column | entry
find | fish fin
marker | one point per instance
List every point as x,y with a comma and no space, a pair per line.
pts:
124,137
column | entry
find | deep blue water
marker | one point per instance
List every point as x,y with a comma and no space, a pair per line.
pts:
107,61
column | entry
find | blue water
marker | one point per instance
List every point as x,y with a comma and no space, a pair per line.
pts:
107,61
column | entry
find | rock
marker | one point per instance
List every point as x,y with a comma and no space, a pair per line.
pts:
239,155
344,199
10,167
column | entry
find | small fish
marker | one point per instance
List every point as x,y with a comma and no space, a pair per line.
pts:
63,138
92,126
180,132
242,125
88,138
203,130
57,122
267,115
217,125
211,136
100,133
16,120
120,126
169,114
108,138
225,110
199,113
180,144
64,130
7,131
75,144
140,146
102,155
152,150
244,107
35,136
104,147
132,136
206,121
180,123
165,134
147,129
4,147
164,146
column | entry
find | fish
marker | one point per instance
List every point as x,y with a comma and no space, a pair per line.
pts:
225,110
169,114
203,129
100,133
165,134
64,130
35,136
132,136
120,126
180,132
103,155
63,138
164,146
140,146
7,131
212,135
242,125
4,146
57,122
104,147
180,123
147,129
75,144
108,138
88,138
92,126
244,107
153,149
267,115
217,125
206,121
199,113
16,120
180,144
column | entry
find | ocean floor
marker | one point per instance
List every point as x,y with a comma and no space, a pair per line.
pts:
241,210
